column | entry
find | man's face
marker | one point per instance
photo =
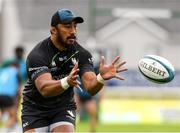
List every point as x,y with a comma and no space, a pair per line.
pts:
66,34
19,54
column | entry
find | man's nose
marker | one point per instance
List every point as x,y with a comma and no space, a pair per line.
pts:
73,30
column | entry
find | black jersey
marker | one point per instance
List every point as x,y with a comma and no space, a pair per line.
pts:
46,58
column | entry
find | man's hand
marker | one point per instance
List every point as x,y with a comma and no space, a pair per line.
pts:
72,77
111,71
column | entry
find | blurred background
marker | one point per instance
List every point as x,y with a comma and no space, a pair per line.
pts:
129,28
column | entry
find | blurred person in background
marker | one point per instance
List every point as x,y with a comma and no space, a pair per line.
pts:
87,103
19,57
53,67
19,52
9,87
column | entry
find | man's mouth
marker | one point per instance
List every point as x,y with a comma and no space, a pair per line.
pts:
72,38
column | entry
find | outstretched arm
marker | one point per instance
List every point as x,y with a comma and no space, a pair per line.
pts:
49,87
94,83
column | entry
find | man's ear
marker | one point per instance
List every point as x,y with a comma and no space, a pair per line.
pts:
53,30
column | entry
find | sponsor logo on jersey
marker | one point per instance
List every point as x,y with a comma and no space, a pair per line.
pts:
36,68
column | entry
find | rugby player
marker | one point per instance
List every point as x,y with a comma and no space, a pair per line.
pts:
53,67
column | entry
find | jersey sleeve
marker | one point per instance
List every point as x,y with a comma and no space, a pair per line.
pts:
85,62
36,65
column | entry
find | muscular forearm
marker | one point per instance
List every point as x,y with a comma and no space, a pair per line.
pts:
94,87
91,83
50,88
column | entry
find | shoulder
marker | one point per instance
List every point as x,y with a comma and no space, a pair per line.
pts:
82,50
39,50
85,56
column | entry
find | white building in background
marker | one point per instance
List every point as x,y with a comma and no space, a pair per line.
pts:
1,5
11,30
134,37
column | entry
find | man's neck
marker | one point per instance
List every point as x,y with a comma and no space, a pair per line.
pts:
57,44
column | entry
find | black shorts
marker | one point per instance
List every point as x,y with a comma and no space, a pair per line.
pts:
46,120
6,101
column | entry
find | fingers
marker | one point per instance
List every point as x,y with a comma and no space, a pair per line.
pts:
111,70
115,60
79,88
122,70
74,82
74,72
120,64
77,84
102,60
73,76
119,77
75,66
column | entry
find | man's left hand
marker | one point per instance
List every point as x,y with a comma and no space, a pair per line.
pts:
111,71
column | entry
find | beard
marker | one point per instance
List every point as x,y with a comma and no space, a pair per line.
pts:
63,42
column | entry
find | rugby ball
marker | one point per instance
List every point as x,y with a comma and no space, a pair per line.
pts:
156,68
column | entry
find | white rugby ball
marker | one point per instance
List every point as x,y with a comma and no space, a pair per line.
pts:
156,69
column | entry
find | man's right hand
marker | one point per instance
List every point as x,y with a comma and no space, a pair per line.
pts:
72,77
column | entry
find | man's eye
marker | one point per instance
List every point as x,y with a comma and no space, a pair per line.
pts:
68,26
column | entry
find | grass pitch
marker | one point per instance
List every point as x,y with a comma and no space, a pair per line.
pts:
84,127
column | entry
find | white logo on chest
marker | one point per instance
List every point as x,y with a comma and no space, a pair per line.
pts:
73,60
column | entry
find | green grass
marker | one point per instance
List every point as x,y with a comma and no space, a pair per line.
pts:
83,127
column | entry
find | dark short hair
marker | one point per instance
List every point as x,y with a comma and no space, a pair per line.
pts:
65,16
19,48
